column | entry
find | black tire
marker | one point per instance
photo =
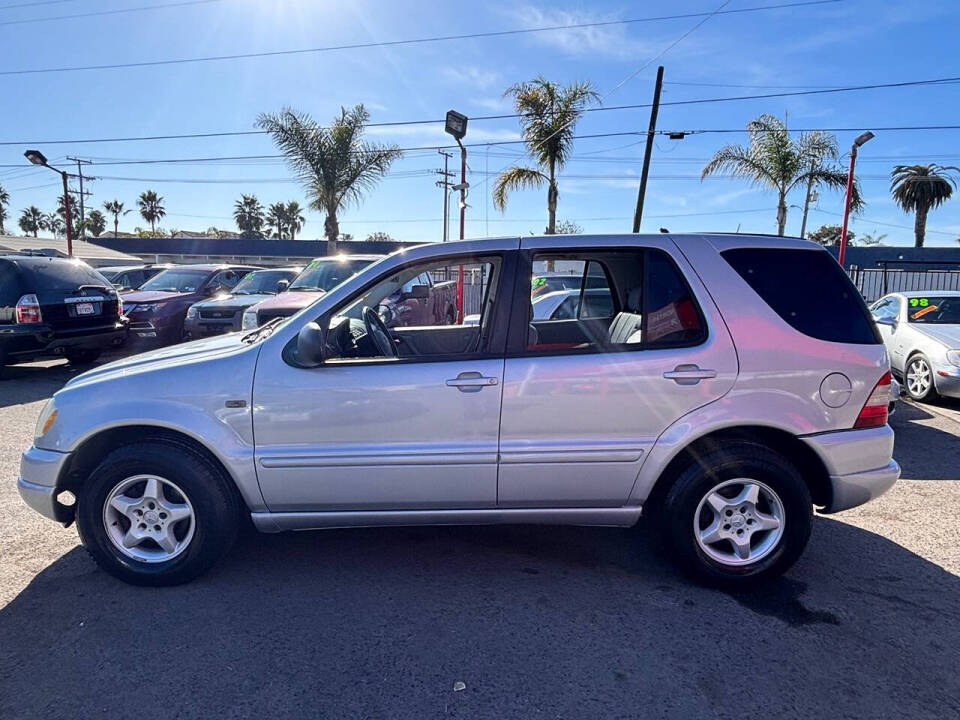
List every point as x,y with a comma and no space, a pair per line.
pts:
215,501
83,357
675,515
930,393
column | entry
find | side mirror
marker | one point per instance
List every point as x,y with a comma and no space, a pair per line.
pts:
282,286
417,292
311,342
888,321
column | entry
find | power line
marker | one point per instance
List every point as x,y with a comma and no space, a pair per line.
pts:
412,41
99,13
885,224
35,4
634,106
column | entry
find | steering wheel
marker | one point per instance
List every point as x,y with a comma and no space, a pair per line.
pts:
377,331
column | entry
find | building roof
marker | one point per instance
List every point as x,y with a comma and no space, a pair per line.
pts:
57,247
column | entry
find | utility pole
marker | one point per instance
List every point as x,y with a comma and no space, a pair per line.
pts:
445,184
641,193
83,218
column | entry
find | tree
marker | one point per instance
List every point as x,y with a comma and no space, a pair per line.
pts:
920,188
336,165
31,220
115,208
830,235
96,223
151,208
248,213
871,238
777,161
75,221
276,220
568,227
294,219
4,201
379,236
54,223
548,117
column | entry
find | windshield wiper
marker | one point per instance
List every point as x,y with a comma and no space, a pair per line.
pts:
263,330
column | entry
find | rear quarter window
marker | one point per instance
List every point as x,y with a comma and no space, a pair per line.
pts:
808,290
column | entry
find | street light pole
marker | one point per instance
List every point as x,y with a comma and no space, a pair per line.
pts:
38,158
456,125
858,143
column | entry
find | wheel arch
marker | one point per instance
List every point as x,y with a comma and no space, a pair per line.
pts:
811,466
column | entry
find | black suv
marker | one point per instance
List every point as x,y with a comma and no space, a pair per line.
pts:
55,307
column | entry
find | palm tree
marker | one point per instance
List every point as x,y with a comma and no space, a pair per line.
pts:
96,222
4,201
53,222
294,219
777,161
151,208
873,238
115,208
75,222
31,220
335,163
548,116
276,219
920,188
248,212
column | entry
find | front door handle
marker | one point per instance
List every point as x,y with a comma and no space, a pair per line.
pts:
689,374
471,382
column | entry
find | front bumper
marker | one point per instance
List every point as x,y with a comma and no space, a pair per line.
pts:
207,327
946,379
860,465
37,483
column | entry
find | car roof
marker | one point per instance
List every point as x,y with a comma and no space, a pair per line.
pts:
294,268
119,268
210,267
350,256
927,293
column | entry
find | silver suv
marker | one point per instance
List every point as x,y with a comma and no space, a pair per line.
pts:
710,392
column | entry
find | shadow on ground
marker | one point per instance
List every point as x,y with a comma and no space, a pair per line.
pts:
925,452
552,622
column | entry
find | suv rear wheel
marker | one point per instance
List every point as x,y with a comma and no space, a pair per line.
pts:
737,516
157,513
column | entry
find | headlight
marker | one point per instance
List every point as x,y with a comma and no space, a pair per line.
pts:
46,420
953,357
191,312
249,321
127,309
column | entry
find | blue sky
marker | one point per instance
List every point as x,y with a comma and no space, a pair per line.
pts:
847,43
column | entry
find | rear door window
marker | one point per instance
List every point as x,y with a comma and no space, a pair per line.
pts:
808,290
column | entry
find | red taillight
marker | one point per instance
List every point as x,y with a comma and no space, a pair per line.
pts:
874,413
28,310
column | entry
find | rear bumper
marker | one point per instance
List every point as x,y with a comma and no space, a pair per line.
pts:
22,343
37,483
860,465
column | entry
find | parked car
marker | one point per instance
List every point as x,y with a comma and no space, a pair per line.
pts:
317,278
54,307
158,309
921,331
223,314
550,282
719,399
127,278
563,304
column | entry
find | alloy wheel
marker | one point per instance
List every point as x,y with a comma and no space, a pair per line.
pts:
919,377
149,518
739,522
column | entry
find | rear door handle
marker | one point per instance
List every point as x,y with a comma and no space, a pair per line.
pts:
471,382
689,374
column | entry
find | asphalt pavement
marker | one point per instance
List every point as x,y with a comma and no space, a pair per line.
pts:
532,621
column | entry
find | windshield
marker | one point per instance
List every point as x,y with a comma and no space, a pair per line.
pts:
262,282
934,310
327,274
174,280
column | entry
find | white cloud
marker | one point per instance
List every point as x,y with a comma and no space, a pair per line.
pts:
470,77
494,104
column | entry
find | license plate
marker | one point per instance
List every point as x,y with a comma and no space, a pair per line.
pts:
85,309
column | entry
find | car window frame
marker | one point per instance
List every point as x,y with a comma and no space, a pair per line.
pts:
520,318
494,335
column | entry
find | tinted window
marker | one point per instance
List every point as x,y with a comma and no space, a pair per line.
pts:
808,290
671,315
60,275
176,280
327,274
9,285
261,281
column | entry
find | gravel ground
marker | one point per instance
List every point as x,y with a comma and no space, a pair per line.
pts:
535,622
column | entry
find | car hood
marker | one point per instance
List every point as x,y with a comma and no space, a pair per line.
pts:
949,335
150,296
291,300
232,302
164,358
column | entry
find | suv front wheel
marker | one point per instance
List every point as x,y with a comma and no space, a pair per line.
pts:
737,516
157,513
